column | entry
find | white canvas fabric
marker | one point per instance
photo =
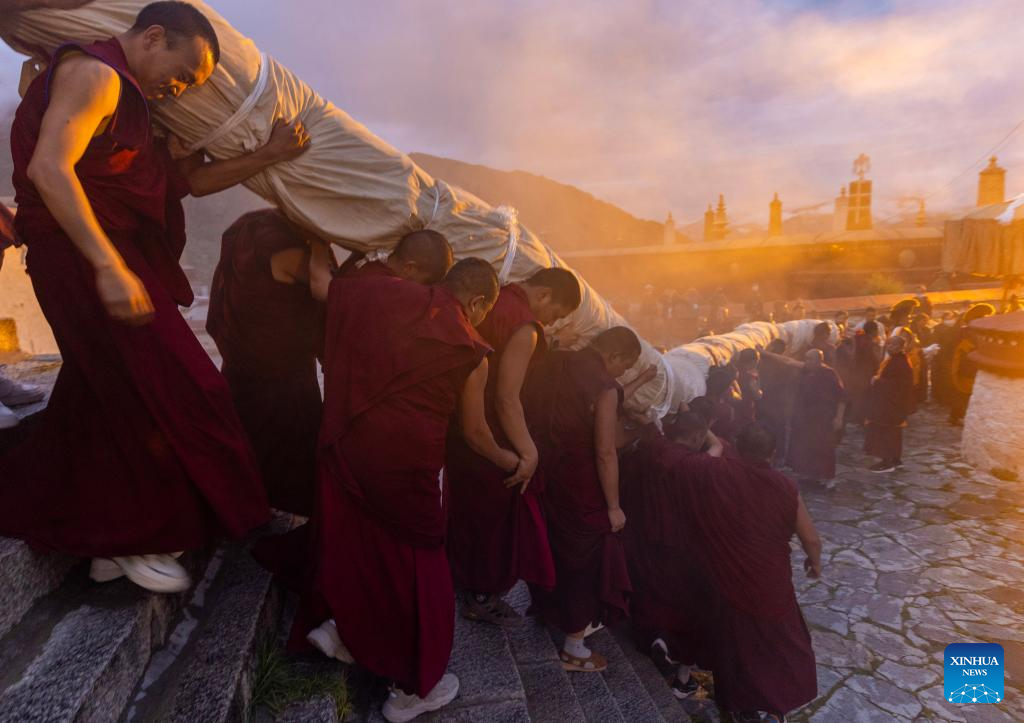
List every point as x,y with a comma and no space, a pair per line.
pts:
351,188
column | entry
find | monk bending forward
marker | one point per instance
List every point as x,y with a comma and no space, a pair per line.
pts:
377,589
739,515
140,453
497,533
572,403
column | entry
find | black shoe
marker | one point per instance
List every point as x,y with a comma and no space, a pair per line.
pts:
661,657
883,467
682,690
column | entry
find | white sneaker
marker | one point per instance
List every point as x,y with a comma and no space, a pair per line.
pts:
104,569
401,707
8,418
14,393
591,629
158,573
325,639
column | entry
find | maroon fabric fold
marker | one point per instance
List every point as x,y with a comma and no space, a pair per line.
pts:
269,334
591,575
397,356
496,535
672,596
740,517
812,444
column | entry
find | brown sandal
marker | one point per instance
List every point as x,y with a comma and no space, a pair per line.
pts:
494,610
594,664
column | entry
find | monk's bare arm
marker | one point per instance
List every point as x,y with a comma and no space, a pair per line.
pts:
515,360
83,92
605,418
322,266
287,141
715,446
475,429
809,539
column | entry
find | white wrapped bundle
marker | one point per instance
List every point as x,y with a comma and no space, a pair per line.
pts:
350,188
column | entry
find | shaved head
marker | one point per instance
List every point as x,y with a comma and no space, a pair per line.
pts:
424,256
618,340
473,282
689,429
814,358
756,442
564,287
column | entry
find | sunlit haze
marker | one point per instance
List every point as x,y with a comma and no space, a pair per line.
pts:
660,106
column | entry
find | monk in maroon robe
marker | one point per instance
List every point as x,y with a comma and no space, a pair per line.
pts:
497,533
867,356
778,375
140,453
749,383
818,416
822,341
572,402
891,400
738,515
268,328
266,317
669,607
723,391
398,356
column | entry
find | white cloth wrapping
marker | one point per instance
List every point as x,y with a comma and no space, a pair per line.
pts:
351,187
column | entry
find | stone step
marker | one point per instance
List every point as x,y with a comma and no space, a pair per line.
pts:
631,697
490,688
26,576
550,696
79,652
205,672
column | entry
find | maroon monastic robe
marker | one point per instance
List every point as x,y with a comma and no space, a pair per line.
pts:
671,592
738,517
778,375
866,357
269,334
397,357
140,450
813,440
496,535
890,401
591,577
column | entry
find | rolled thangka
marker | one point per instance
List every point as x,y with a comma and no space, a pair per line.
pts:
690,363
350,188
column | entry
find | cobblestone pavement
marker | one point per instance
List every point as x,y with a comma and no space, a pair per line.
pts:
914,560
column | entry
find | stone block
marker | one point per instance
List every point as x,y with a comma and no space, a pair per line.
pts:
482,660
318,710
26,576
550,697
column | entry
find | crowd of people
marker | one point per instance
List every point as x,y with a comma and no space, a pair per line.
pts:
453,448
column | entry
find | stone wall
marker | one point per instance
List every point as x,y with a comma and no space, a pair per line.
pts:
994,428
18,303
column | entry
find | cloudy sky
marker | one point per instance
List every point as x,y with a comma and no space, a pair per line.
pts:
659,105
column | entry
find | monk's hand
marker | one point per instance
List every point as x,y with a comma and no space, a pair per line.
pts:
508,461
523,472
648,374
618,519
177,148
123,295
288,140
812,568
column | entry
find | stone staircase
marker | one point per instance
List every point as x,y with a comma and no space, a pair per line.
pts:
74,650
